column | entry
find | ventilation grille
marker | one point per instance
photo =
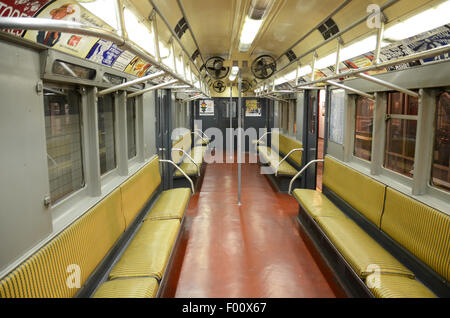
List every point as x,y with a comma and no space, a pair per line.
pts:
328,29
291,55
181,28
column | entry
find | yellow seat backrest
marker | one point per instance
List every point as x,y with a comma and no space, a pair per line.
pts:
286,144
422,230
360,191
184,143
78,249
137,190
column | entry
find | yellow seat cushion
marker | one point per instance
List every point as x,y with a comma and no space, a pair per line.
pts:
272,158
170,205
363,193
189,168
84,243
137,190
143,287
286,144
391,286
422,230
359,249
149,251
316,203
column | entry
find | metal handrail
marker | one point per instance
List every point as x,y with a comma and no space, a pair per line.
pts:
205,135
181,170
301,172
189,157
287,156
152,88
130,83
196,133
262,137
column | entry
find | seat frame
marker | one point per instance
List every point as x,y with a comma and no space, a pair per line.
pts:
101,273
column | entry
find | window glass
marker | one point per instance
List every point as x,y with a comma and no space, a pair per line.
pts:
131,127
63,136
441,155
401,130
106,133
337,111
364,128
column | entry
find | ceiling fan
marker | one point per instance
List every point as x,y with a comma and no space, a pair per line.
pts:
219,86
215,68
264,67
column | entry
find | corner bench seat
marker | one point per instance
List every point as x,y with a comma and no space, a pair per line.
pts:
418,233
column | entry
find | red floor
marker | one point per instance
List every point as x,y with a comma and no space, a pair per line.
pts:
251,251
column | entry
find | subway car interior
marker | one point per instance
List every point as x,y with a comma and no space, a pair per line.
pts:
246,149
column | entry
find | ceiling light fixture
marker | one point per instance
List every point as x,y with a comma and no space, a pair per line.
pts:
234,73
253,22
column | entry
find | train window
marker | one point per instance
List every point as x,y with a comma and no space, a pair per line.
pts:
64,146
232,112
131,127
72,70
337,111
106,133
401,130
364,128
441,155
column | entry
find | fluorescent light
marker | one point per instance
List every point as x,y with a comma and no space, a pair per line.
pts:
361,47
234,73
425,21
138,32
104,9
249,32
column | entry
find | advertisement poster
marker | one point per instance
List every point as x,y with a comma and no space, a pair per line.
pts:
104,52
206,108
252,108
78,45
20,8
137,67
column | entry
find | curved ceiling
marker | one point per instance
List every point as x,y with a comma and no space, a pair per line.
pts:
216,25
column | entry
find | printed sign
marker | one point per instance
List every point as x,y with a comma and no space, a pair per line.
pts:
206,108
104,52
252,108
137,67
78,45
20,8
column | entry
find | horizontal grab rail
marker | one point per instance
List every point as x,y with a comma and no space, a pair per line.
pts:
302,171
181,170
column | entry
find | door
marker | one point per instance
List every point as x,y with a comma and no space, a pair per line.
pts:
311,133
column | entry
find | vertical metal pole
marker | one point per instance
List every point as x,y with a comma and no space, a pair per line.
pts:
380,35
240,138
231,120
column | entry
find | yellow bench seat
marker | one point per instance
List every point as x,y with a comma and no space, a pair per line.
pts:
142,287
188,166
273,159
359,249
170,205
149,251
391,286
316,203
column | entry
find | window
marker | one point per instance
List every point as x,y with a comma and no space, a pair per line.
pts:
106,133
441,155
337,111
401,129
131,127
63,136
363,128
